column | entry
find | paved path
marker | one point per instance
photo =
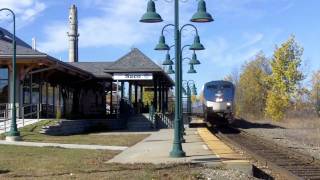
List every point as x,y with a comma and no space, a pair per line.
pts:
68,146
124,133
156,148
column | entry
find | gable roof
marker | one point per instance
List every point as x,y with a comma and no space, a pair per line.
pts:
24,52
134,61
96,68
22,47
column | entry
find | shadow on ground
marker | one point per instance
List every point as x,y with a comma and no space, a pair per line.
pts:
241,123
238,124
4,171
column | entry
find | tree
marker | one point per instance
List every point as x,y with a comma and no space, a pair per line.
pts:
194,99
251,90
233,77
285,78
147,97
315,92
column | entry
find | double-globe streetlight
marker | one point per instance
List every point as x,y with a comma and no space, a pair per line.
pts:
189,91
186,89
13,134
192,62
201,16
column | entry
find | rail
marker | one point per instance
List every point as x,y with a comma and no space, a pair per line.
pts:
3,116
3,111
288,163
31,110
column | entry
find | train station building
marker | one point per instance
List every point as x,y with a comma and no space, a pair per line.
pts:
78,90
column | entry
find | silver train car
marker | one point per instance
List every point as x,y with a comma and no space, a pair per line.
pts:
218,102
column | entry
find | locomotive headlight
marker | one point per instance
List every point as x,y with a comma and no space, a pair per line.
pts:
219,99
228,104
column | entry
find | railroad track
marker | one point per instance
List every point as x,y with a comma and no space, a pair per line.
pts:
282,160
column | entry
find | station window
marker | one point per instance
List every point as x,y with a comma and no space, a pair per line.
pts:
4,85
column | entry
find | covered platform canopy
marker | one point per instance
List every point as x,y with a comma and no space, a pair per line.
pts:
138,72
84,89
57,86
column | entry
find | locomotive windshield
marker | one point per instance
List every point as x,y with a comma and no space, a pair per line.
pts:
225,91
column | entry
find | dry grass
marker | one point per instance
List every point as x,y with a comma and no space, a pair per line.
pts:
31,133
298,123
56,163
305,130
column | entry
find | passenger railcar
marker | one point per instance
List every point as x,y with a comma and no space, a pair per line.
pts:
218,102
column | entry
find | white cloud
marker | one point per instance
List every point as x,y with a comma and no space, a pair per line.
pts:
56,40
116,25
221,53
252,39
25,10
250,9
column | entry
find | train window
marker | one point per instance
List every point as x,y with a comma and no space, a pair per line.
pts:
212,87
226,87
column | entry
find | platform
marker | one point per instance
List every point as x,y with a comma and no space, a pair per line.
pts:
201,147
228,156
156,149
197,122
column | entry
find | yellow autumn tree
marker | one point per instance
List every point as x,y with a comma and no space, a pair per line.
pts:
315,92
285,78
147,97
251,89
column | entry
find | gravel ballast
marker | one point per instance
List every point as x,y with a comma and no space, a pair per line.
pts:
304,139
224,174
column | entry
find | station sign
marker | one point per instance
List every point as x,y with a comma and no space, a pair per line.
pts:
132,76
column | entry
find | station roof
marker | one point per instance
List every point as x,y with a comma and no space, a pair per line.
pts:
27,55
133,62
96,68
23,49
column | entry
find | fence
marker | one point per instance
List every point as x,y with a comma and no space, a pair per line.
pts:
30,111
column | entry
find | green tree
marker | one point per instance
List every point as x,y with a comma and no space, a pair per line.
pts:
251,89
285,78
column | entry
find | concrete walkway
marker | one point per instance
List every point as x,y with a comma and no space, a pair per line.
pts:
156,148
67,146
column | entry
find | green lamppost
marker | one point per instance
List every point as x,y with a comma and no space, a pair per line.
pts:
152,17
194,92
13,134
189,93
194,61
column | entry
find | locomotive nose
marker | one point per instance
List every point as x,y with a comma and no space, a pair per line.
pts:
219,96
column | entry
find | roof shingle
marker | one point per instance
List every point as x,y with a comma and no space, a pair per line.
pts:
22,47
134,61
96,68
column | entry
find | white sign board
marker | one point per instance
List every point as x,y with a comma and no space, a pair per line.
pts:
132,76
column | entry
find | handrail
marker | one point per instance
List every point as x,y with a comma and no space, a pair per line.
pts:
37,112
23,115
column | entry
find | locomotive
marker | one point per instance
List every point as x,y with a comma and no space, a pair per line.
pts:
218,102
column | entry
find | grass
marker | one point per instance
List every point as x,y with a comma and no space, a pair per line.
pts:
31,133
55,163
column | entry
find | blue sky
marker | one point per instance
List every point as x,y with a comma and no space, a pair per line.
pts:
110,28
